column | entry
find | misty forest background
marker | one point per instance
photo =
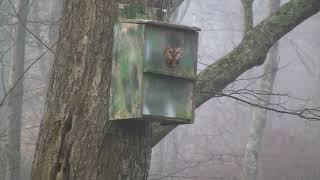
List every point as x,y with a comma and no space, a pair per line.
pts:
214,147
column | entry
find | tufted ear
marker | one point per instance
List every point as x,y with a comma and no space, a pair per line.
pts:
166,51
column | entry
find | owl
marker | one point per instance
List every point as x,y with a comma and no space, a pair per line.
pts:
173,56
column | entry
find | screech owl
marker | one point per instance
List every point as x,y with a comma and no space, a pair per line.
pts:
173,56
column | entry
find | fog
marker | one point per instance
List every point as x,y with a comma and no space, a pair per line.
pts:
214,146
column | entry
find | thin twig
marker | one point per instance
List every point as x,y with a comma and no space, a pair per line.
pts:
29,31
303,113
23,129
22,75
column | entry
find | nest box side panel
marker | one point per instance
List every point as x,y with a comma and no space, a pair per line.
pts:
127,70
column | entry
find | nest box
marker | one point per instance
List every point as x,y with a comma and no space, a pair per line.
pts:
153,71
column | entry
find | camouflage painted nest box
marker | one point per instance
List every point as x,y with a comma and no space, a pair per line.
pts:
153,73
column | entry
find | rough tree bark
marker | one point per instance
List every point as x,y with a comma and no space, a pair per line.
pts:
76,140
15,100
251,52
250,170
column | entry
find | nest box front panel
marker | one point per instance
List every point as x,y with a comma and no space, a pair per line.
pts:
169,71
170,51
126,84
165,96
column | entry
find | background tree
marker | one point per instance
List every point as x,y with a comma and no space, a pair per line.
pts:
15,99
259,117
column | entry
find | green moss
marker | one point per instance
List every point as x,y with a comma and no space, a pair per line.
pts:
131,11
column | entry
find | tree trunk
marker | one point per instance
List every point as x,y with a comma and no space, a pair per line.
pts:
15,100
76,140
260,115
247,15
3,125
3,161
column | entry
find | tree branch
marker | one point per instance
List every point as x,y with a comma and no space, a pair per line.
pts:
249,53
174,5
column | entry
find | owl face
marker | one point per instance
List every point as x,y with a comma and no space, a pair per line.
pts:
173,56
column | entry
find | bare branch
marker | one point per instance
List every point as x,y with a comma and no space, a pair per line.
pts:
22,75
312,114
27,29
